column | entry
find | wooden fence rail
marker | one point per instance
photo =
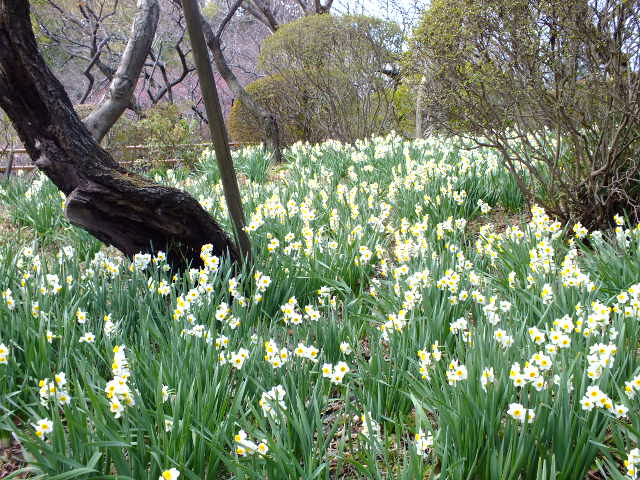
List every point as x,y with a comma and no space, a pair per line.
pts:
27,168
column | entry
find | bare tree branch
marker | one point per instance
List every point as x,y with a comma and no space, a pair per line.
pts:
225,21
87,71
262,13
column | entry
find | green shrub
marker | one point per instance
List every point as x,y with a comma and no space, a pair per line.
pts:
244,127
163,128
331,72
553,86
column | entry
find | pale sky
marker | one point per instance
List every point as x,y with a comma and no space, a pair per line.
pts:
404,12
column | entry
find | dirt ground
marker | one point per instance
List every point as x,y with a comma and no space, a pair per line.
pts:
10,459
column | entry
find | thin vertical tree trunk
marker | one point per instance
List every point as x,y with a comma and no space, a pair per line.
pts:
268,120
216,123
419,108
7,173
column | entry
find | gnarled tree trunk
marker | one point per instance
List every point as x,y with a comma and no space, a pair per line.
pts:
116,206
